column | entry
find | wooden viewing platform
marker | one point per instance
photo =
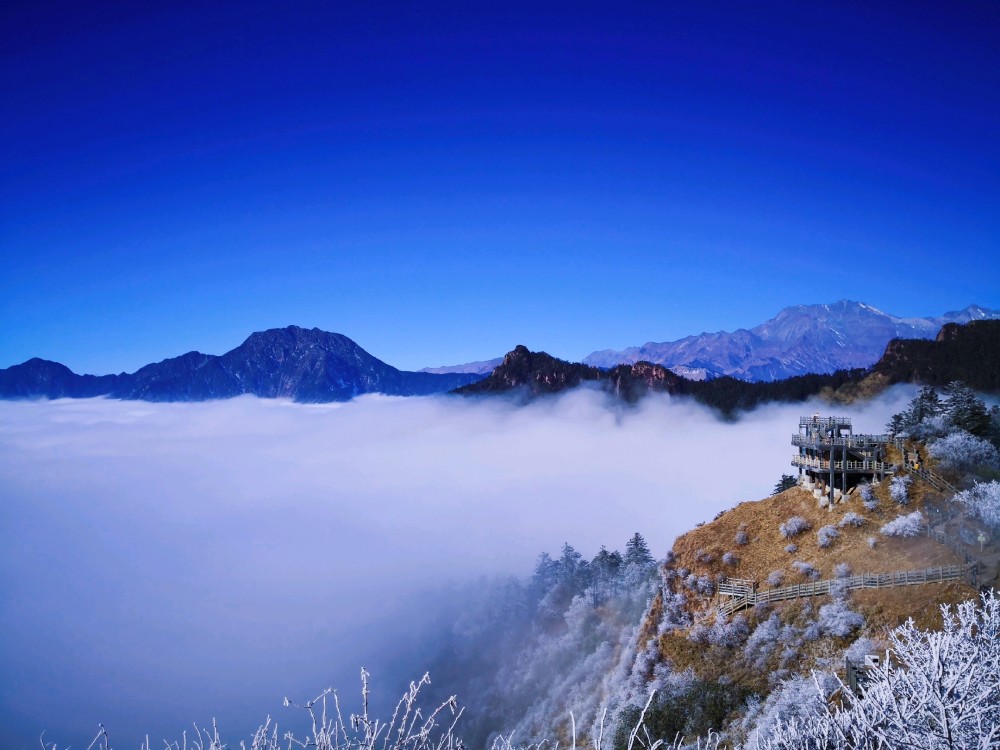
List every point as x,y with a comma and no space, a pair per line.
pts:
832,460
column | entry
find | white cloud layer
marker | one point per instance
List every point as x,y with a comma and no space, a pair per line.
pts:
167,563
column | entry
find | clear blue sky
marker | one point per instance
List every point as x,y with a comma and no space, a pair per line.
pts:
442,181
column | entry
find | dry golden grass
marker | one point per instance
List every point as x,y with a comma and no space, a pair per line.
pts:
701,551
766,550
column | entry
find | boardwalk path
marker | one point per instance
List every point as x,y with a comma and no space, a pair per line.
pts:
744,593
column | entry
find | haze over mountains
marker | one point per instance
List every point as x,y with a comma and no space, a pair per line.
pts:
798,340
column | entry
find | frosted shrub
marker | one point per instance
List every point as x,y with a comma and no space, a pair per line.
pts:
762,642
411,727
730,559
791,548
826,535
838,619
796,700
700,584
868,498
794,526
961,452
938,690
867,492
872,542
842,570
905,526
851,519
776,578
742,537
723,632
703,557
983,501
899,490
806,569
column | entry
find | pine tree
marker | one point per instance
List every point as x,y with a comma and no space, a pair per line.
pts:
637,551
926,405
786,482
965,410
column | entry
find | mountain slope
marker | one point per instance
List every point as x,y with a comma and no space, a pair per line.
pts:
970,353
304,365
479,367
798,340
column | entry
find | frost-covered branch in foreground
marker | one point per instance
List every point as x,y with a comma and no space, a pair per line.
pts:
937,690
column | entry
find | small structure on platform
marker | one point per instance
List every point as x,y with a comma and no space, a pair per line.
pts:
832,460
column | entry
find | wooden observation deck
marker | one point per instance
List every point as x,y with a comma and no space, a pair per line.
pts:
832,459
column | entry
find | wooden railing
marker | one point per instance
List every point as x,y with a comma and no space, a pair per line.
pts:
863,581
934,480
824,465
851,441
955,546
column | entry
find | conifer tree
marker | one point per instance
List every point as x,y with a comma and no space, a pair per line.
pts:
965,410
637,551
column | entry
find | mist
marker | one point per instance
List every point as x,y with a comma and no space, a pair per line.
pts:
170,563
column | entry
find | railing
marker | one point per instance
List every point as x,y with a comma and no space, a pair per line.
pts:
863,581
824,465
855,441
955,546
737,586
817,421
934,480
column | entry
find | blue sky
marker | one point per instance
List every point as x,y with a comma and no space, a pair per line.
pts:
442,181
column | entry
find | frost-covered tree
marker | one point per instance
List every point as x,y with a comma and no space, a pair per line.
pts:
764,639
905,526
983,501
838,619
921,417
637,552
961,452
605,570
926,405
940,690
965,411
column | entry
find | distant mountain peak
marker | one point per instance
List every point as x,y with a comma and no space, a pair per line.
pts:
302,364
800,339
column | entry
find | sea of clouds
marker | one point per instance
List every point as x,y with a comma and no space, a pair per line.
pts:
170,563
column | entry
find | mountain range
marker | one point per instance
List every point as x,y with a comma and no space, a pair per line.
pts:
968,352
307,365
311,365
798,340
